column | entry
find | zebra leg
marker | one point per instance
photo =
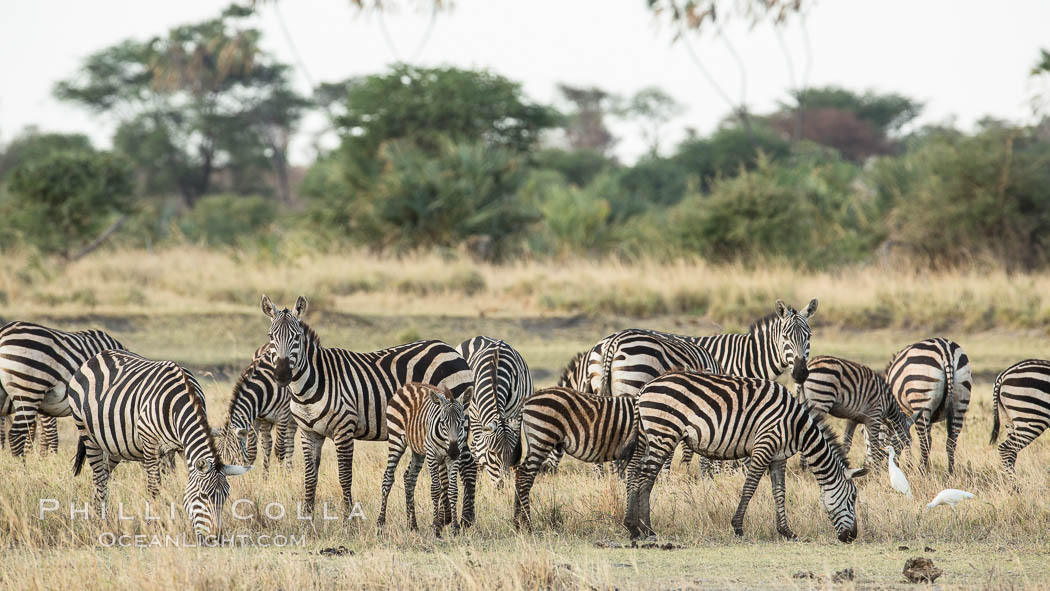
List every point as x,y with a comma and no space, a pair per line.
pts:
760,459
550,465
286,428
411,474
439,493
395,450
847,436
950,443
25,404
452,467
312,443
100,469
265,444
922,431
524,478
344,449
468,474
776,477
3,431
649,473
251,445
152,461
48,434
874,455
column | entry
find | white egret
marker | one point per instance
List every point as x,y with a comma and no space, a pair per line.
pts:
897,479
950,497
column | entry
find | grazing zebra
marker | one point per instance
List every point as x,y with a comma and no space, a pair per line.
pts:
433,425
569,378
258,405
587,427
728,418
931,380
36,363
1022,393
130,408
854,392
502,382
342,395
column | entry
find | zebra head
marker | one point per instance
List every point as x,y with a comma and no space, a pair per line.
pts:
451,420
286,338
492,444
793,328
206,492
838,497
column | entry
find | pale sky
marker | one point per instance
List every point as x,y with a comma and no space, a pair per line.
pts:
964,59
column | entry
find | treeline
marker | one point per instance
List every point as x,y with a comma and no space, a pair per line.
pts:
444,158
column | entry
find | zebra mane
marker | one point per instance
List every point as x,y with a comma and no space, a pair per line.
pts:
196,397
309,333
832,439
766,320
247,374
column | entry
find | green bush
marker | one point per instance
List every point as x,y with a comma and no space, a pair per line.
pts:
63,200
228,219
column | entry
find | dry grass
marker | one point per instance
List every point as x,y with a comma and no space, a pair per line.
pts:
200,308
189,280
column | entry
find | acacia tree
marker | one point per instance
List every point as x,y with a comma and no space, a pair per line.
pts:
201,98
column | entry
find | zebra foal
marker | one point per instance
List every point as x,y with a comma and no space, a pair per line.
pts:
128,408
587,427
431,423
728,418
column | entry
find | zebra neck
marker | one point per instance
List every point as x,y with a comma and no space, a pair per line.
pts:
762,341
303,379
196,443
822,460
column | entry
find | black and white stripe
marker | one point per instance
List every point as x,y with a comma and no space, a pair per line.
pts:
36,363
855,392
258,406
1022,394
587,427
728,418
931,381
432,424
342,395
502,382
135,409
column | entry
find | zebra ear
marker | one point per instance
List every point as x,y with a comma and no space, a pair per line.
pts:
435,397
781,308
300,307
852,473
202,465
267,306
467,395
811,309
234,470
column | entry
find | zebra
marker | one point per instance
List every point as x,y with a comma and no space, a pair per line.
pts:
568,378
36,363
342,395
855,392
731,417
258,405
502,382
433,424
1022,393
931,380
130,408
587,427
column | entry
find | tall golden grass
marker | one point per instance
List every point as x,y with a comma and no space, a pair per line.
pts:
188,279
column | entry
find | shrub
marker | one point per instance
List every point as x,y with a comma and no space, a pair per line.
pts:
228,219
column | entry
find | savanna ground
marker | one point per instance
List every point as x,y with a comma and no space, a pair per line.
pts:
201,308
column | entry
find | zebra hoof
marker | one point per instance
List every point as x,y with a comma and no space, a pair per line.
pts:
787,533
738,530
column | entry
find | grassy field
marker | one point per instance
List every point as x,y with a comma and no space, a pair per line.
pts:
201,308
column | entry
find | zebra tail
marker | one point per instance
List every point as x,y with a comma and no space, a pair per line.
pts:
949,411
607,359
995,408
78,460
